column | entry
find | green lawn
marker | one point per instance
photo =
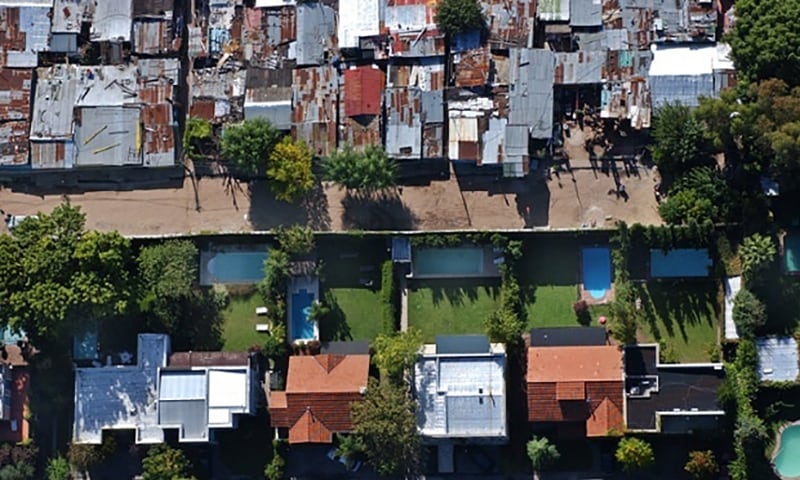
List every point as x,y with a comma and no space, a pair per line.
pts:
239,324
451,307
684,314
356,314
551,306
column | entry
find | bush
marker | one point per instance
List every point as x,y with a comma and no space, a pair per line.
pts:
57,469
698,196
541,452
702,465
369,170
679,142
295,240
248,144
289,169
197,132
757,254
388,297
275,468
634,454
749,314
459,16
581,309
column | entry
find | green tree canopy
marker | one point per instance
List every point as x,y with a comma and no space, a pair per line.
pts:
295,240
163,462
289,170
679,140
749,314
83,456
459,16
169,268
634,454
249,144
764,40
53,272
542,453
198,131
396,352
276,467
58,469
700,195
386,424
757,254
369,170
702,465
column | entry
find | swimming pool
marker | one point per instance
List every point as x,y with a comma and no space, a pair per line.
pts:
787,461
596,271
234,267
302,327
680,262
791,252
448,262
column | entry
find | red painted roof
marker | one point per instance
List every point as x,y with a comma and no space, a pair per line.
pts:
363,88
319,391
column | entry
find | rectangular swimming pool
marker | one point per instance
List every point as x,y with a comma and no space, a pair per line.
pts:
596,266
448,262
791,252
680,262
302,327
232,266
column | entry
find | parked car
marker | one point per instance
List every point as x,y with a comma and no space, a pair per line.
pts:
349,464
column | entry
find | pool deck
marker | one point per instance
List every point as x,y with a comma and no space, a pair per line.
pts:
777,449
490,268
590,300
311,285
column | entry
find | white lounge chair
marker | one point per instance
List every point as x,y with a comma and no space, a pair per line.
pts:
261,311
262,327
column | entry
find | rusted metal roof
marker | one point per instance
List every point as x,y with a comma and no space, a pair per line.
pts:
581,67
429,43
14,142
15,94
267,33
24,31
426,75
510,22
153,37
314,107
472,67
414,123
362,90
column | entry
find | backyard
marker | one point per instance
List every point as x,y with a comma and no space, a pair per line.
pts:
456,306
355,314
239,319
685,315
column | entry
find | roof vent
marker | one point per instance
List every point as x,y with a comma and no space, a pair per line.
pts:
362,390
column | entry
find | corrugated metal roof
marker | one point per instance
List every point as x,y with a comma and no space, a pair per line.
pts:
24,31
112,21
686,89
316,30
581,67
182,385
409,16
360,18
510,22
429,43
531,78
14,142
153,37
15,94
472,67
68,15
314,96
777,359
363,87
107,136
585,13
153,8
553,10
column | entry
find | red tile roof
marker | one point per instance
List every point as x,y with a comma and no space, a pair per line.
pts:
363,88
319,391
576,384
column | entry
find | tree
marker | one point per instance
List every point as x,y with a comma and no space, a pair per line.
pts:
397,352
163,462
504,326
699,195
634,454
542,453
763,40
702,465
459,16
369,170
57,469
749,314
83,456
289,169
679,141
386,424
169,269
273,287
350,447
295,240
53,273
275,468
19,471
757,253
249,144
197,132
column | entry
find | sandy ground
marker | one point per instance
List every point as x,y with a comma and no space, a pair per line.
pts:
585,195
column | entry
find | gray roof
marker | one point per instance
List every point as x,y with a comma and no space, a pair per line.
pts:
461,396
585,13
777,359
315,27
568,336
278,113
455,344
531,77
107,136
686,89
553,10
112,21
574,68
35,22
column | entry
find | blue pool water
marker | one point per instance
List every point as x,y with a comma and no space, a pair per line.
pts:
450,262
596,271
791,252
236,267
787,462
302,326
680,262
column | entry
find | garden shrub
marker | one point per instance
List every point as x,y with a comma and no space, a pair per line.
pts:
388,295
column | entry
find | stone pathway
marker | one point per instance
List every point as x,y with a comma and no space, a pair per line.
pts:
403,304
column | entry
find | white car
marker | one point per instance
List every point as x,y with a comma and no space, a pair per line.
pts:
352,465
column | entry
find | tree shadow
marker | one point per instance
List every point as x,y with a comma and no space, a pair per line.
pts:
461,291
533,205
193,323
334,327
315,204
377,211
781,296
267,212
676,305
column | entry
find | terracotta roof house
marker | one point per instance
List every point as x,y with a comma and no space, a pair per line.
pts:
319,391
577,386
14,388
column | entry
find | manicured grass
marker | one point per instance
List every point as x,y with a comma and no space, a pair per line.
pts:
360,314
684,314
451,307
551,306
239,324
